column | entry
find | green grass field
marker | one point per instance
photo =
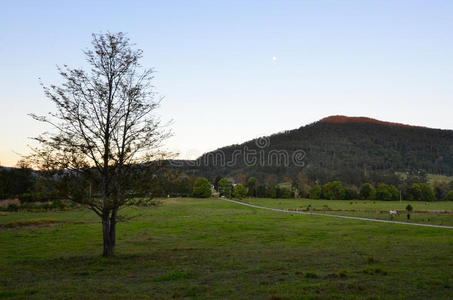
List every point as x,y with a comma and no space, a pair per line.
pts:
211,249
435,213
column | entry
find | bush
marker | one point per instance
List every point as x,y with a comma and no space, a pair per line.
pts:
57,204
26,197
239,191
261,191
441,190
351,193
374,270
315,192
202,188
342,274
387,192
395,192
271,192
428,193
333,191
367,192
311,275
371,259
420,192
409,208
450,196
13,207
283,192
144,202
224,186
383,192
252,183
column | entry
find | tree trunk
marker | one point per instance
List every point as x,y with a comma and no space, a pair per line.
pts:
113,228
108,232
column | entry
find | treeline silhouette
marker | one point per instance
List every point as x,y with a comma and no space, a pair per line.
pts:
342,156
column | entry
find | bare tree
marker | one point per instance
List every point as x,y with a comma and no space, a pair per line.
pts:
105,135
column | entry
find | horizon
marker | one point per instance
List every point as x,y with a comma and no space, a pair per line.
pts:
351,119
231,71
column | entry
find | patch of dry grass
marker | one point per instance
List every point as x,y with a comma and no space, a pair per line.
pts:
30,223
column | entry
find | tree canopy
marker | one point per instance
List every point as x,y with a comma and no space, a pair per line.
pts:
202,188
105,135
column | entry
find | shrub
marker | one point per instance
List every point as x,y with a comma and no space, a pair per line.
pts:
144,202
351,193
311,275
374,270
414,192
239,191
261,191
409,208
441,190
13,207
333,190
395,192
201,188
284,193
252,183
450,196
224,187
342,274
26,197
367,192
420,192
383,192
371,259
315,192
57,204
428,193
387,192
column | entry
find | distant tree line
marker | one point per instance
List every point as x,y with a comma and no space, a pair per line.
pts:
30,186
416,192
14,182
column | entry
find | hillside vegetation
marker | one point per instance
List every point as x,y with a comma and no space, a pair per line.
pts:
353,150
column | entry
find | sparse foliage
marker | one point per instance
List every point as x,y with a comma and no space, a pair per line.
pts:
105,136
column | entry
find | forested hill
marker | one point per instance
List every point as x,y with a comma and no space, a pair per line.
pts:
351,149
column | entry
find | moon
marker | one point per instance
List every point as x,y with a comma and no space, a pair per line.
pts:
274,58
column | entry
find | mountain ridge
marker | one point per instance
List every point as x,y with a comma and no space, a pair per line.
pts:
341,119
351,149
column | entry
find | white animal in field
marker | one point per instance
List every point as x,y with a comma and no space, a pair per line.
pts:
393,213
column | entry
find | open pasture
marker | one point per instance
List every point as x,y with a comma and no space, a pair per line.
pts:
434,213
212,249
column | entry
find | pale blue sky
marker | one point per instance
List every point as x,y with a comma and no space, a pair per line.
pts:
391,60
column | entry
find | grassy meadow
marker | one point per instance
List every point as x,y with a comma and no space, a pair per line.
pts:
212,249
435,213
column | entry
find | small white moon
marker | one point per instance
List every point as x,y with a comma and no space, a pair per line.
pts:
274,58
